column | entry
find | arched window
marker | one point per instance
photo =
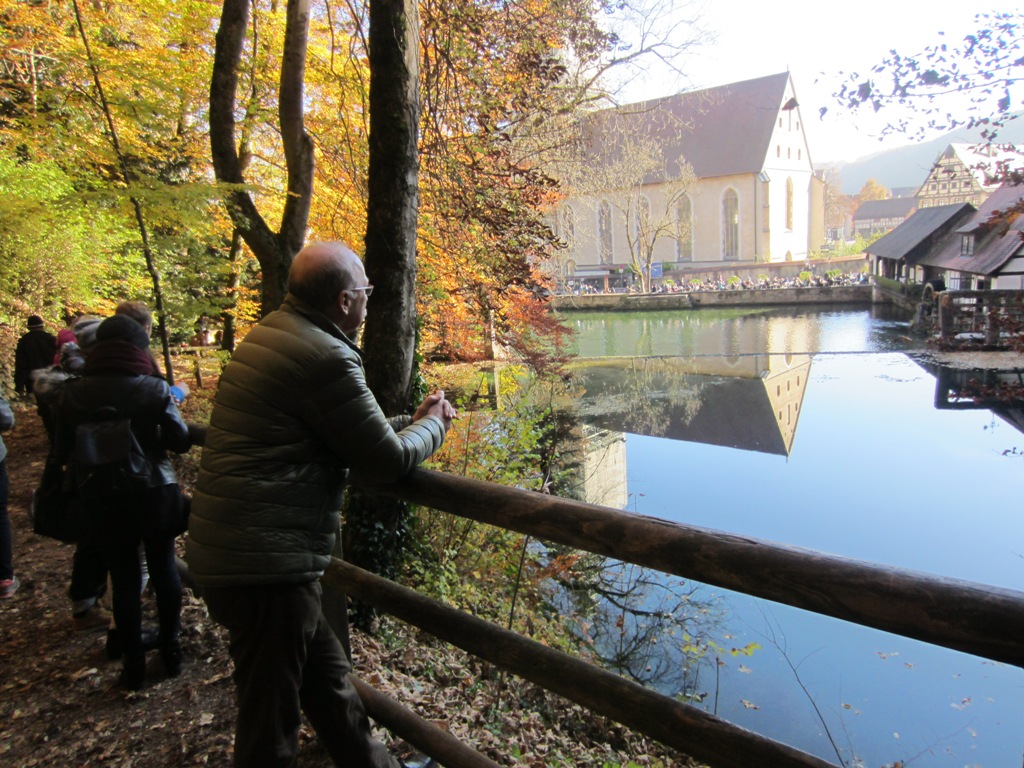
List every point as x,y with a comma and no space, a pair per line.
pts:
684,229
604,231
567,226
730,225
789,204
640,226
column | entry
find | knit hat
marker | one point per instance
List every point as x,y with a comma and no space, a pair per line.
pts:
35,322
85,332
122,328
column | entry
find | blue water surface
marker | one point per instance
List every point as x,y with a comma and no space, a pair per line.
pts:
872,471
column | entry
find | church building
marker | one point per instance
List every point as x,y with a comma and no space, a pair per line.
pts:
735,185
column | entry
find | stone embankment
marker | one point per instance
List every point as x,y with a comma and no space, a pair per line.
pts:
756,297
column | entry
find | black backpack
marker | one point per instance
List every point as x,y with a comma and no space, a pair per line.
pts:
107,459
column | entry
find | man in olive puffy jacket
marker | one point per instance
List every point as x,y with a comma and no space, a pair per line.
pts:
292,416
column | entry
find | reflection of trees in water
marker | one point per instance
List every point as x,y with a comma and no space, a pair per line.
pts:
651,393
644,625
652,628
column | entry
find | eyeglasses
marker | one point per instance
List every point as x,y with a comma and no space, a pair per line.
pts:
367,288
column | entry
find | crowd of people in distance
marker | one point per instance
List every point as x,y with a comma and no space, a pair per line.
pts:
734,283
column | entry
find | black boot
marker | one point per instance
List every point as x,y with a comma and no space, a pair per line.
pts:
133,672
115,650
171,654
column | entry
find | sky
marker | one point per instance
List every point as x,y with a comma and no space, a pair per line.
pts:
815,40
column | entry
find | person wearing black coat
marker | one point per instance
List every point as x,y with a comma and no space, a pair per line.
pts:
35,350
117,379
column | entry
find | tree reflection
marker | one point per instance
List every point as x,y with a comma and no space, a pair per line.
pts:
645,625
644,395
642,624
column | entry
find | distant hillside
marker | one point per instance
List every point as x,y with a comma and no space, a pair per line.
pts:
909,166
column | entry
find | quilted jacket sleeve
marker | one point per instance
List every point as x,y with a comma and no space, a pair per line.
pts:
346,417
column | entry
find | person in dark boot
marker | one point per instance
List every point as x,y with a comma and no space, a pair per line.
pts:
34,352
132,498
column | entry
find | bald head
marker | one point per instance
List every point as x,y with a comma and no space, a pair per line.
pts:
321,271
331,279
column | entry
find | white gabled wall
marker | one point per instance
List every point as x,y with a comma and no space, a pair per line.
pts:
788,158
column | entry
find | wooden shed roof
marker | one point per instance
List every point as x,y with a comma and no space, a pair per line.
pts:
995,241
911,239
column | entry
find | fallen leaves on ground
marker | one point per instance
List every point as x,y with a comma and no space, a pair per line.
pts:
60,706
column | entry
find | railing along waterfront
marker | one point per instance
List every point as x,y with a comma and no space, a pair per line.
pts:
980,316
983,620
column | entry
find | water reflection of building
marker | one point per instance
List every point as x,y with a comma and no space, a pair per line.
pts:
603,468
730,379
705,333
999,390
749,402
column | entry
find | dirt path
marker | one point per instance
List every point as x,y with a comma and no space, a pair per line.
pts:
59,705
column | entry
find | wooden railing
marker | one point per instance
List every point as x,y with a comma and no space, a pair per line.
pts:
982,620
983,317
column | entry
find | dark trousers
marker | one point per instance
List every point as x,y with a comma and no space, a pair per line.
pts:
121,549
288,661
6,546
88,572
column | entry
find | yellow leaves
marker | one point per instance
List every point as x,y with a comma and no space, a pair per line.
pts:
747,650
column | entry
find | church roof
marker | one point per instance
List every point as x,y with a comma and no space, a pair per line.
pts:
720,131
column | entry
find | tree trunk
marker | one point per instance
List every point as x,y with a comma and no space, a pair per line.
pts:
227,339
389,337
376,527
274,251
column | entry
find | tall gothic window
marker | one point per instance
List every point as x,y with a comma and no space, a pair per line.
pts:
567,226
730,225
684,230
641,224
789,204
604,231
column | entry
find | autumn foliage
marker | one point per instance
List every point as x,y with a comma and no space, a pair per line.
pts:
493,91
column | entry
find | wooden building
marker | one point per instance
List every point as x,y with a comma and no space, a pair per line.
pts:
963,174
965,247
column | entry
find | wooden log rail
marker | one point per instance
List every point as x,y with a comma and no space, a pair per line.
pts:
677,725
978,619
